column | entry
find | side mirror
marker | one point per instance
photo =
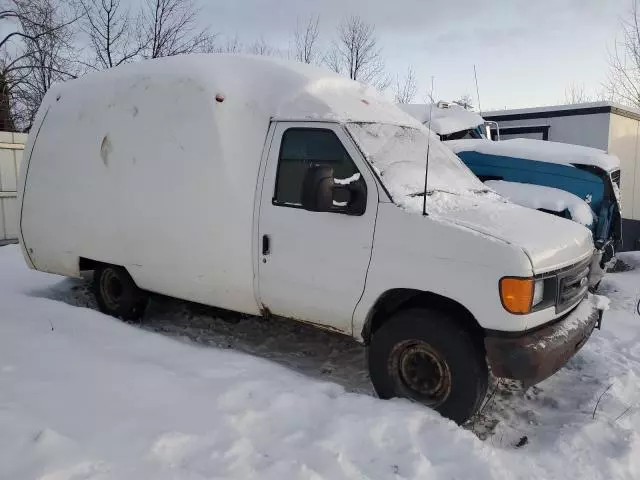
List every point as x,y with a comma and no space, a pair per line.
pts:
350,199
317,189
320,193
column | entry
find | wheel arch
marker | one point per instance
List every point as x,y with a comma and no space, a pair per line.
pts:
85,264
89,264
398,299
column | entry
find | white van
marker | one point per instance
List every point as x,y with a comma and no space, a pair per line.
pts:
274,188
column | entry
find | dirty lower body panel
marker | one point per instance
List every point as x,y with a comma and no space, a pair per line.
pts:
535,355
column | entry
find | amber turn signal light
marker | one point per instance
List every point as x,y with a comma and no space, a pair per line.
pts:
516,294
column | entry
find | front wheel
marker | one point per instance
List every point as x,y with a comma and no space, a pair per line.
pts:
117,294
425,355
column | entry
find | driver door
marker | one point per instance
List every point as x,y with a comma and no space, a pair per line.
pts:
312,265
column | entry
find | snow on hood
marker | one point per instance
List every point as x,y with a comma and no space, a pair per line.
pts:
550,242
444,121
548,198
539,150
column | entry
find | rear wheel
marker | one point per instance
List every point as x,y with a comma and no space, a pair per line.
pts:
425,355
117,294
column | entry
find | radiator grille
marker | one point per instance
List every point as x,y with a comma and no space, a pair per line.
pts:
573,285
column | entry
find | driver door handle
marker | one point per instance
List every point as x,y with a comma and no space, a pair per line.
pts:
266,245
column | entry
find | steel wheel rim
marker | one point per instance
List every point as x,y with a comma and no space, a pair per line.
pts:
423,371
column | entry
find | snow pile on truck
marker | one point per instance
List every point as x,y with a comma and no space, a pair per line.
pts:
443,121
547,198
550,152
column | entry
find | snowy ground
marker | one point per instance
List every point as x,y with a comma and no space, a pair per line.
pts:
190,395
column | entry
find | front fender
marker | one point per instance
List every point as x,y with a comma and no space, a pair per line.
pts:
431,255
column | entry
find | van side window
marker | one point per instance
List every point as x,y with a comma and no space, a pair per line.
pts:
301,148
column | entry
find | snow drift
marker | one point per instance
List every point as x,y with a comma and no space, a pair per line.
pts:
85,396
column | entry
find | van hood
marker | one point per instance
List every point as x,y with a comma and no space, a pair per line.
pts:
550,242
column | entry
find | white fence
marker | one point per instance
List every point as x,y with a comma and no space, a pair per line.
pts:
11,148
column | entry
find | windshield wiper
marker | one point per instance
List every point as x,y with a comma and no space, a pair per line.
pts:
430,192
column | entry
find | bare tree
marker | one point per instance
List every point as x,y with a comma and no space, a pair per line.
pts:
428,95
112,32
604,94
9,16
10,10
575,93
261,47
306,40
405,89
46,55
356,53
333,60
7,122
170,27
624,61
231,45
465,101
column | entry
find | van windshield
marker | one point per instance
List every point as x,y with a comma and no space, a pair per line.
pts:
398,154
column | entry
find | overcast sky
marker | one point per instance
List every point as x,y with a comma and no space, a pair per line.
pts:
526,51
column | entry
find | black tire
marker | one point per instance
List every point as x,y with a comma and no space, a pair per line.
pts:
425,355
117,294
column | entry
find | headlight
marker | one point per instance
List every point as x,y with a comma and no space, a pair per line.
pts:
538,292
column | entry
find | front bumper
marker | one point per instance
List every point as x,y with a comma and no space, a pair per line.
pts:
535,355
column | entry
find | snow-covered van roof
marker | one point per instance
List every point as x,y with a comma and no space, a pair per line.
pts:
270,88
444,119
549,152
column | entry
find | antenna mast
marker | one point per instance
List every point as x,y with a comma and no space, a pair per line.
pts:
475,74
426,168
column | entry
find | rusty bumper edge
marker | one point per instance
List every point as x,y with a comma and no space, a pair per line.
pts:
535,356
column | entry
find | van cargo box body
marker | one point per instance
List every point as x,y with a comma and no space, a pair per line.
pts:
158,138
